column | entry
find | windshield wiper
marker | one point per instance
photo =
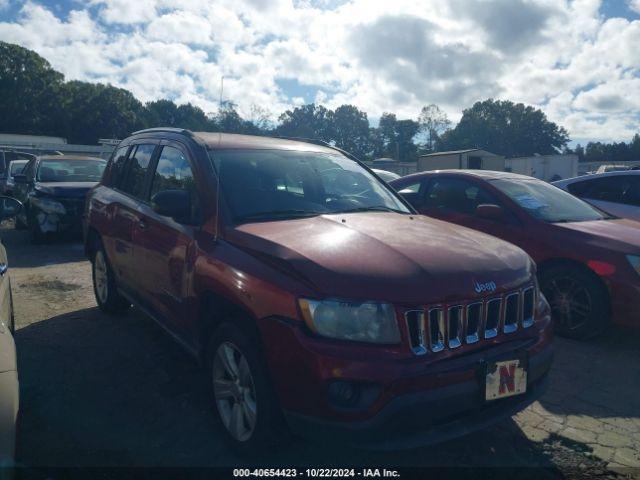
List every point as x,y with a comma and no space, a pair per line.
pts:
276,214
373,208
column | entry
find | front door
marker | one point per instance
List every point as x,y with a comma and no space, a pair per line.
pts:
164,247
455,200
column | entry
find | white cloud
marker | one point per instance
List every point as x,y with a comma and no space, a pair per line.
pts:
560,55
634,5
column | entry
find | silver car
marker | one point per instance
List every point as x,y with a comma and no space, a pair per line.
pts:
9,207
617,193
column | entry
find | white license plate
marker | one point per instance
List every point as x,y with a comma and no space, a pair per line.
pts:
505,379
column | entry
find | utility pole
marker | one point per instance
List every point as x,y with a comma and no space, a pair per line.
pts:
221,90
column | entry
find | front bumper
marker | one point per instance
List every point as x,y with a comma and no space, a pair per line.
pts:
55,223
433,416
410,401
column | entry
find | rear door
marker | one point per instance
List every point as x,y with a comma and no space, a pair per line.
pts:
164,248
124,210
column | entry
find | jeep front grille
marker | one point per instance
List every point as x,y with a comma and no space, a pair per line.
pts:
450,326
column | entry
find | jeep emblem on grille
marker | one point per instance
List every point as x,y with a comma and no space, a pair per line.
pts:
489,287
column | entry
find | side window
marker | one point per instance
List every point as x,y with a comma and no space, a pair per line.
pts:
136,174
411,194
457,195
174,173
579,188
607,189
116,170
632,196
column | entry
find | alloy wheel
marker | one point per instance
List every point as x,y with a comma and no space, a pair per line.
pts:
570,301
234,391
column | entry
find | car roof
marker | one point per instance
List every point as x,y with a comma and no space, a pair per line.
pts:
597,175
483,174
69,157
235,141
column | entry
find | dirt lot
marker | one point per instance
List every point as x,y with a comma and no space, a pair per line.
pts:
102,391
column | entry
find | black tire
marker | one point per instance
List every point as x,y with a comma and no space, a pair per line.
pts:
579,302
108,297
269,431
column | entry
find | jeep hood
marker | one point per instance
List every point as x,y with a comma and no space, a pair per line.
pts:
386,256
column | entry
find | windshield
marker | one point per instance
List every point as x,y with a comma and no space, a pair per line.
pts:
272,184
16,167
548,203
89,170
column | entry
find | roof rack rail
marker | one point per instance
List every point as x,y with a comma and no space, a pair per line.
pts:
165,129
317,141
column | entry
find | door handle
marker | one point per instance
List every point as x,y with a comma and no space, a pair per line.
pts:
3,268
142,225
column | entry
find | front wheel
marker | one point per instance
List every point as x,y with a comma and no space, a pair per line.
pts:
244,401
104,285
578,301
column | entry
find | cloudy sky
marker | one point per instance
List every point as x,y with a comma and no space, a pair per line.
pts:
579,60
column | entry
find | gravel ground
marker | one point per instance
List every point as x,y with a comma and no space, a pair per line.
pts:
103,391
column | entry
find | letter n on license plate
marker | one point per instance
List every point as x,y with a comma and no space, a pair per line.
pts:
505,379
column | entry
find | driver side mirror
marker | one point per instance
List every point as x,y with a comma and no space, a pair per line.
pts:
9,207
20,178
491,212
173,203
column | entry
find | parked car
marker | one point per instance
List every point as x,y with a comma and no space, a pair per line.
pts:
6,157
617,193
9,394
317,299
612,168
6,182
588,262
385,175
53,190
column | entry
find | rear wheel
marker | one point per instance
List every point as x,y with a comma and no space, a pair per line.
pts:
244,401
578,301
104,285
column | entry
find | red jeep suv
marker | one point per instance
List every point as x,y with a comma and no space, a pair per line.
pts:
318,300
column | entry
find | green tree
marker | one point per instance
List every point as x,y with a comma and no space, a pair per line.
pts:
308,121
634,148
228,120
30,92
165,113
433,123
93,111
395,138
349,129
506,128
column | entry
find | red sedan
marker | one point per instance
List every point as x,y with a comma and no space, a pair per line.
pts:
588,261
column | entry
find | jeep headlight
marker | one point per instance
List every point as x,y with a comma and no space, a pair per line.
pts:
48,205
355,321
634,260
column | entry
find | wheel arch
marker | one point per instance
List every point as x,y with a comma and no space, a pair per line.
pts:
214,309
91,241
